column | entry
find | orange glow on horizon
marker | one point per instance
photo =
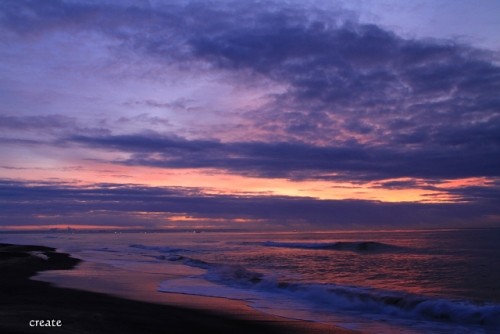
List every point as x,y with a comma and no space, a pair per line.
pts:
183,218
217,182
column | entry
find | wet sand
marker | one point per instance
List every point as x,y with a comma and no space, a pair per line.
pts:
23,299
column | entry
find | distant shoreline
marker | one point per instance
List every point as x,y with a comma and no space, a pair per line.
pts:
232,230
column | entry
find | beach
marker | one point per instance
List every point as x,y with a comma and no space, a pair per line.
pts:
419,282
24,301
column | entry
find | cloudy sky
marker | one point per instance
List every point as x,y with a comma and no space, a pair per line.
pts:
249,114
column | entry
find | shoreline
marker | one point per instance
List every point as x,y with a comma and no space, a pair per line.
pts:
83,311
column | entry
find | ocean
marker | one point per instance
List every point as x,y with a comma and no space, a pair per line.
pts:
379,282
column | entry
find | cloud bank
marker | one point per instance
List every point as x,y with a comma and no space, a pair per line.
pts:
23,203
261,89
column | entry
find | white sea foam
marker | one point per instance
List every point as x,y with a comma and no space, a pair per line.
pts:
40,255
368,301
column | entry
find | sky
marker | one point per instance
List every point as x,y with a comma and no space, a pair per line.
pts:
256,115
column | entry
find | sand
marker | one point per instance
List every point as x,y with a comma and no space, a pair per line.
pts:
23,299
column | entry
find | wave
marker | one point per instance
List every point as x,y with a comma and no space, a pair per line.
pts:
355,246
170,254
351,298
105,249
405,305
161,249
186,260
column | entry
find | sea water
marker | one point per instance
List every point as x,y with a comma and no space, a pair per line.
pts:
420,281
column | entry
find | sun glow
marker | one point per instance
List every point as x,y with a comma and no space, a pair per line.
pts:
218,182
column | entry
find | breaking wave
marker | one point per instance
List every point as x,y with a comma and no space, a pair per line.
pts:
170,254
351,298
355,246
161,249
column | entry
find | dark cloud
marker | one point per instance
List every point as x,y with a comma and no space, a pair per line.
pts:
44,126
400,184
294,159
490,191
358,83
329,62
31,18
179,104
357,100
20,141
35,203
36,122
145,118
